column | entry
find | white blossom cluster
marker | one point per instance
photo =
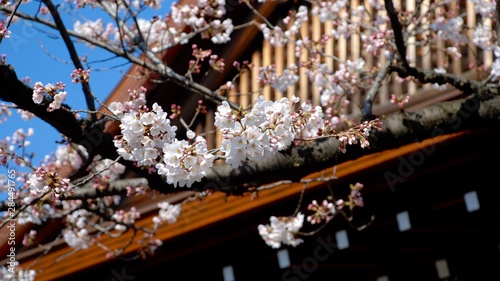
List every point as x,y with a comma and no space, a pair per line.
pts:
42,182
220,31
185,163
4,112
97,30
77,235
310,119
77,239
257,134
495,68
78,219
450,29
335,84
18,141
136,102
69,155
195,15
144,134
268,127
148,138
282,230
35,214
330,10
7,274
485,8
279,37
483,37
25,115
276,36
108,169
167,213
55,92
269,76
375,42
204,17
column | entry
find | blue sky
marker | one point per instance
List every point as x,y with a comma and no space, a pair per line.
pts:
35,53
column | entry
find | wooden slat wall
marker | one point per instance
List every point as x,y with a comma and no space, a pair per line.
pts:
316,35
411,51
385,90
425,51
290,60
471,22
303,79
419,55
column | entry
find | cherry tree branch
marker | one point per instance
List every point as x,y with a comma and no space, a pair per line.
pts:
15,91
398,32
301,161
398,130
89,97
76,35
464,84
117,187
467,86
160,68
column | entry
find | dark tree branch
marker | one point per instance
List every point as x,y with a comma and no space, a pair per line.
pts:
398,130
89,135
15,91
298,162
398,32
89,97
117,187
467,86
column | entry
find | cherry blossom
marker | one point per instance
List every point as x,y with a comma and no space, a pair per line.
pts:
42,182
184,163
324,212
282,230
123,219
77,239
168,212
149,244
4,32
144,134
55,92
70,155
9,274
